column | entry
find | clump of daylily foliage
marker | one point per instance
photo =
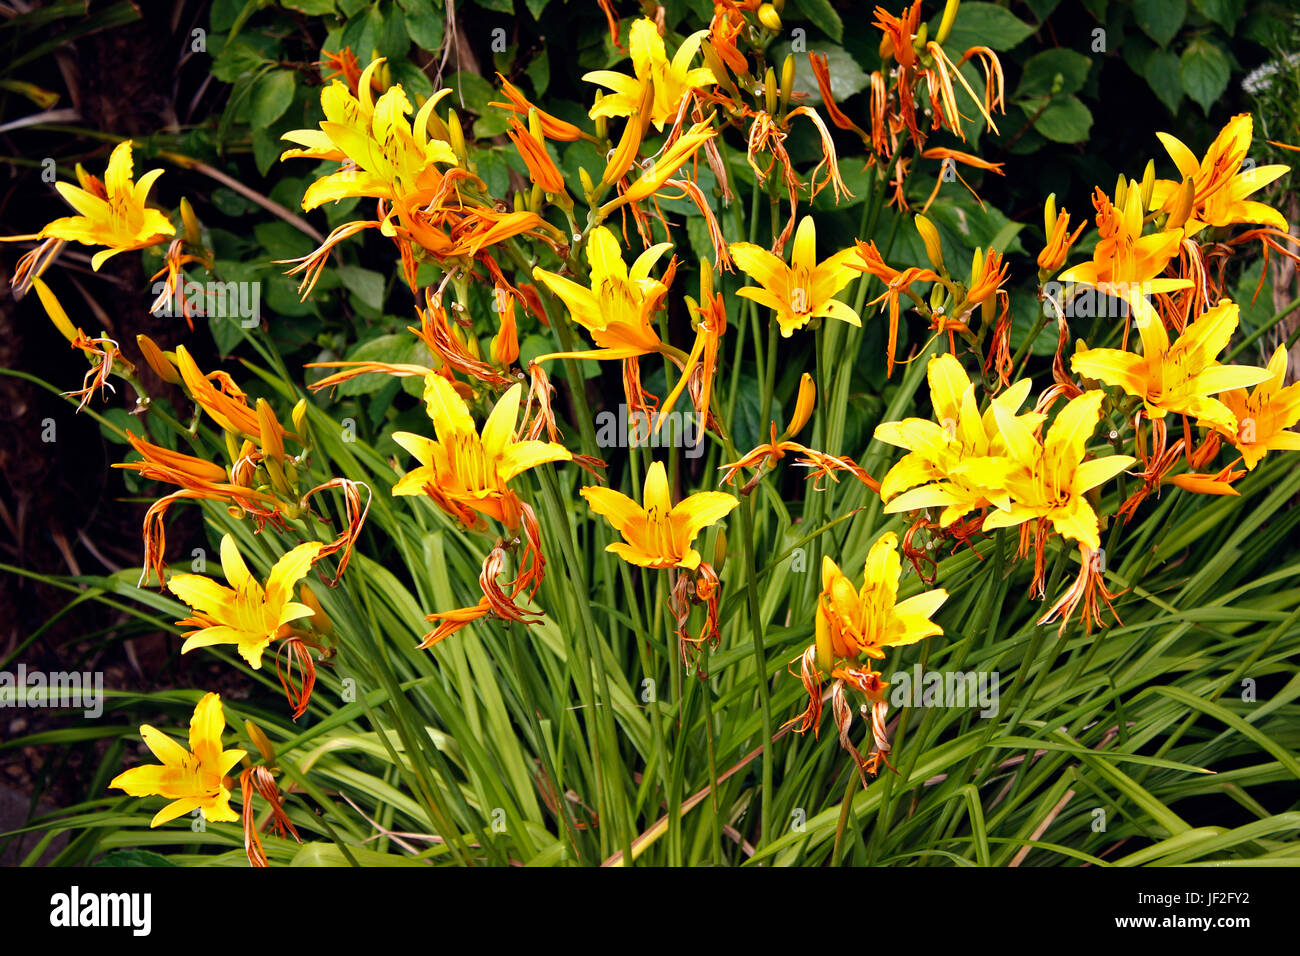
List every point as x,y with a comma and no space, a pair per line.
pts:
508,468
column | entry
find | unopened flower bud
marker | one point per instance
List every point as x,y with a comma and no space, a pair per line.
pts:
193,232
54,310
1148,183
261,741
930,236
787,81
803,406
945,25
271,433
157,360
320,621
1181,207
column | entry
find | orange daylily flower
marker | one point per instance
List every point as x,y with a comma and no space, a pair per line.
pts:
552,127
111,212
1264,417
658,535
804,289
1059,238
1177,378
950,159
822,74
855,621
193,779
467,473
659,171
1124,262
1220,183
541,168
228,406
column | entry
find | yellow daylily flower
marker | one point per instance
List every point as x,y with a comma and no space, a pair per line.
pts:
112,213
192,779
1177,378
1124,262
659,535
803,290
465,473
617,307
959,461
855,621
673,79
245,614
1264,416
1051,476
393,157
1221,185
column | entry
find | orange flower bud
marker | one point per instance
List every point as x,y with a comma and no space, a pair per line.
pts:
157,360
803,407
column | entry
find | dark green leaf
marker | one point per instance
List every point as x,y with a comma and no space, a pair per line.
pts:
823,15
1160,19
384,348
424,24
1064,120
1161,72
365,284
312,8
1225,13
1054,72
1204,69
988,25
271,96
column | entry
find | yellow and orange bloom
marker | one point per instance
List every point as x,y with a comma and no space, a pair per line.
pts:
111,213
702,363
673,80
853,621
467,473
617,308
959,462
219,396
1051,477
385,155
1125,264
193,779
1181,377
532,149
1264,416
659,534
822,74
804,289
1059,237
1220,184
243,612
658,172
